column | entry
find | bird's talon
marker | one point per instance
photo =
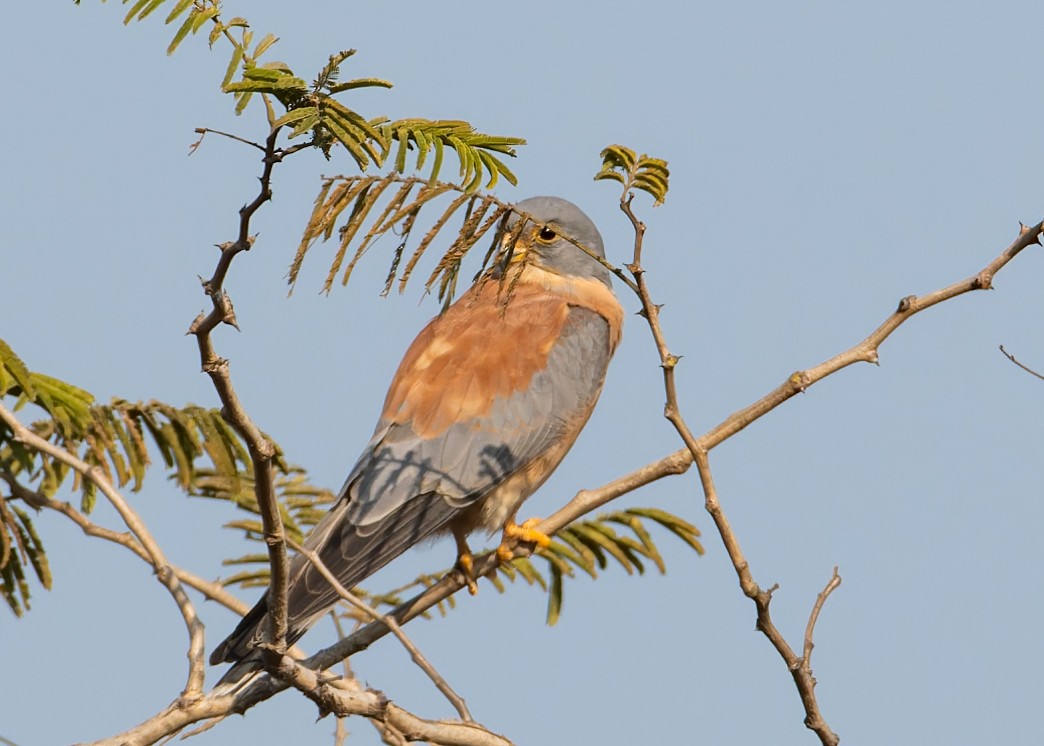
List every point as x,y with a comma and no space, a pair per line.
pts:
466,565
527,533
515,534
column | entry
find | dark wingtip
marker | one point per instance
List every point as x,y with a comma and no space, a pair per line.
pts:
220,654
237,645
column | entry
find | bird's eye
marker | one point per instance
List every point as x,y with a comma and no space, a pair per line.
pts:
547,233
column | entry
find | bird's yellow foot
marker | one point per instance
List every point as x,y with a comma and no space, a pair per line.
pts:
514,534
466,565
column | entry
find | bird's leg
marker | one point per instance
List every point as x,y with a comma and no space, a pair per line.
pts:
514,534
466,562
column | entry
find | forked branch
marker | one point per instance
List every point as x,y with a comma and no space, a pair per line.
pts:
141,536
800,667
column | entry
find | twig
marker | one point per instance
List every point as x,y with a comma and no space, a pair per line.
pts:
810,628
164,571
202,132
1024,367
440,683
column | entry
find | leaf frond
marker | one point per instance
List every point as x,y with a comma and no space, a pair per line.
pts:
642,172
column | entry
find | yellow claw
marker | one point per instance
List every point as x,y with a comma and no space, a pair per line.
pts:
514,534
466,565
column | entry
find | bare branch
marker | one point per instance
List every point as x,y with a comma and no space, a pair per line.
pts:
810,628
866,351
333,697
440,683
260,447
211,590
164,571
800,669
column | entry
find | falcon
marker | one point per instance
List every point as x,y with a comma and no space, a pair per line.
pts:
485,404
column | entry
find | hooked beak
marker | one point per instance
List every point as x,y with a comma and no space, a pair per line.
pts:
514,252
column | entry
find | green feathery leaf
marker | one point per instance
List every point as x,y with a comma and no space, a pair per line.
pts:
650,175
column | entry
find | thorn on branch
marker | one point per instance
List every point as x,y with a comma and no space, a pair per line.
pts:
196,323
983,281
800,380
228,312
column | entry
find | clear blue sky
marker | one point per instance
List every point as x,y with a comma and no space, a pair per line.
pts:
827,159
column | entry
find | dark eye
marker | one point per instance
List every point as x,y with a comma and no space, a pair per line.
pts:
547,233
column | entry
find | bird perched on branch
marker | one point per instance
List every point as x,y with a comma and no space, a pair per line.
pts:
485,404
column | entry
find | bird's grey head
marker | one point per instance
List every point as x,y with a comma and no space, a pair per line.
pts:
552,225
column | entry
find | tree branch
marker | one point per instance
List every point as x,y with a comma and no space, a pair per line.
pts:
800,668
164,571
866,351
262,450
440,683
332,697
333,694
211,590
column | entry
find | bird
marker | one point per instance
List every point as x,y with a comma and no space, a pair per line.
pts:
485,404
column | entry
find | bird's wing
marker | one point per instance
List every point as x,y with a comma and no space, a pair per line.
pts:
483,391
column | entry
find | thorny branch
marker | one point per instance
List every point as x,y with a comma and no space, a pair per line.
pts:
155,557
800,668
262,450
